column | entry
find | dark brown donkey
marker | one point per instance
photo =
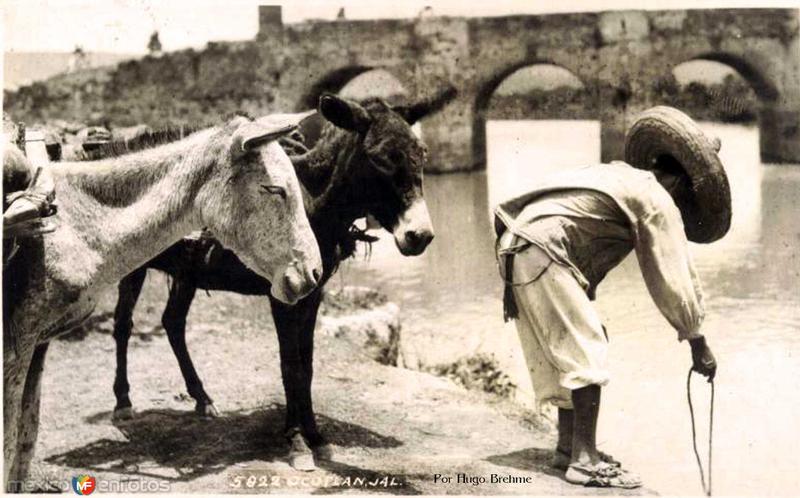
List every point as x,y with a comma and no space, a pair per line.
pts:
365,161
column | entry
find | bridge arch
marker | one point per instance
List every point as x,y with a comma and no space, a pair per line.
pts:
777,121
335,81
761,83
487,90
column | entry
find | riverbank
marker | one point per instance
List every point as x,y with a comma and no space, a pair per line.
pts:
393,429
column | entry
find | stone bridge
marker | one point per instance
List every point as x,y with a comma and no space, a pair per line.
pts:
623,58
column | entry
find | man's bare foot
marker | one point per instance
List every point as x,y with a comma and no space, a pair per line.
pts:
562,459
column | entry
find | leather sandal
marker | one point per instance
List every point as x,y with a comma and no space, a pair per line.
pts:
601,475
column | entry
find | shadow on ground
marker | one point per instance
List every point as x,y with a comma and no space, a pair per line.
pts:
193,446
530,460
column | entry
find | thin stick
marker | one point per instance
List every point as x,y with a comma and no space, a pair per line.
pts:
706,490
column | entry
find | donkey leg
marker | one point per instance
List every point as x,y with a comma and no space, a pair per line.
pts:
181,295
29,414
308,421
129,289
293,375
15,372
300,321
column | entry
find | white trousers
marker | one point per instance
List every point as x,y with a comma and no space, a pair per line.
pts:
562,337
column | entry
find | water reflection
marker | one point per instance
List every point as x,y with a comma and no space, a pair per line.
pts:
451,302
521,152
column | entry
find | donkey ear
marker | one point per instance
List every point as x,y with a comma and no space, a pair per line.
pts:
415,112
344,113
253,134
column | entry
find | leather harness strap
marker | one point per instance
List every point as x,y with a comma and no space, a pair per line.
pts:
27,208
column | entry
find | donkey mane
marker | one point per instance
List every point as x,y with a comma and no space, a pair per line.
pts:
121,181
122,159
153,138
147,140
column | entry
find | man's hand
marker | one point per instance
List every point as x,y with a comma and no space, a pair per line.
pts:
703,361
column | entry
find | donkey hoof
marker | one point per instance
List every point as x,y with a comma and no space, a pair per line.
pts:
300,455
207,410
324,452
303,461
124,413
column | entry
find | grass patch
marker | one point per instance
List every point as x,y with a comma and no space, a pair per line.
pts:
479,372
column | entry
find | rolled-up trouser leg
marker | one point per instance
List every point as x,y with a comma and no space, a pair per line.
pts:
561,334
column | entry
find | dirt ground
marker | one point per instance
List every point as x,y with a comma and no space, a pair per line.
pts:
393,429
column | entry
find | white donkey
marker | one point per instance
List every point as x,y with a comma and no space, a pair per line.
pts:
116,214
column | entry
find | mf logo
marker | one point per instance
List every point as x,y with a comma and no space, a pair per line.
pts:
84,485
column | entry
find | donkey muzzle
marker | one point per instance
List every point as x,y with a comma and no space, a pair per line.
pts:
298,281
414,230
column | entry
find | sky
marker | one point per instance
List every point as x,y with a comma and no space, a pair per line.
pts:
124,26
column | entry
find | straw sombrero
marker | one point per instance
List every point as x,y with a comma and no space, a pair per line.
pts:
661,131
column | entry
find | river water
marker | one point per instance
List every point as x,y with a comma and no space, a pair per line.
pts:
450,298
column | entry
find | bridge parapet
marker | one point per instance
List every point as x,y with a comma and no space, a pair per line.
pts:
623,59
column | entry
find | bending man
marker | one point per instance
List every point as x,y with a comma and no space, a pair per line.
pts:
557,243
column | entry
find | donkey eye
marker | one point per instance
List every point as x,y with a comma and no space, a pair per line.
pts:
396,156
273,189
